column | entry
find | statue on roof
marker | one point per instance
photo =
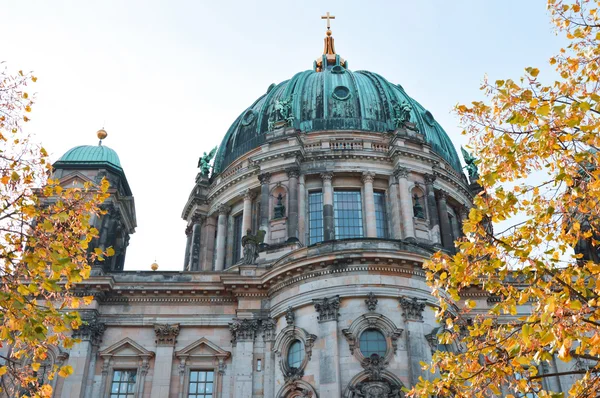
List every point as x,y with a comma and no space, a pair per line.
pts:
471,166
204,162
401,113
282,114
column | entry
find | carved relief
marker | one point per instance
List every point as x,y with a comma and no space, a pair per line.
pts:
166,334
264,178
289,316
91,330
374,365
328,308
371,302
412,308
268,326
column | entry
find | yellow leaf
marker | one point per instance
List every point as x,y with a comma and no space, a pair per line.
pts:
35,366
110,251
543,110
65,371
3,370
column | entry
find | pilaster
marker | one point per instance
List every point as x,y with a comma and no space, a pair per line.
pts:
166,338
221,236
405,203
330,382
328,217
292,222
367,179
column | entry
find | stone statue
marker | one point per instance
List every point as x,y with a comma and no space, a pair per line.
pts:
204,162
250,243
279,211
471,167
401,113
282,114
417,207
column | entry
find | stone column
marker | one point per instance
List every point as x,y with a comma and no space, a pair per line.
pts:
269,327
243,332
166,337
207,248
264,179
221,236
418,350
196,242
292,221
367,179
446,229
80,357
328,220
405,203
248,197
396,232
329,355
302,210
188,248
432,210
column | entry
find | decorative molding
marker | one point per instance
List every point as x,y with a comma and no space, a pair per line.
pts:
264,178
328,308
289,316
374,365
376,321
268,326
327,176
166,334
368,177
371,302
412,308
293,172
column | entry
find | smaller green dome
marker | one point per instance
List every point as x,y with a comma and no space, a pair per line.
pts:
90,155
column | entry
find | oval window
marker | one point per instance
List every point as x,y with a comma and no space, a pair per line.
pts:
295,354
248,118
341,93
372,341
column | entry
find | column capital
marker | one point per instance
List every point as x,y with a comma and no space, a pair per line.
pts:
429,179
92,330
327,176
264,178
293,172
401,172
248,195
368,176
328,308
441,195
198,219
166,334
188,230
243,329
412,308
223,209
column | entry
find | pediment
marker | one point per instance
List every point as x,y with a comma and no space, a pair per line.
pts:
126,348
202,348
75,179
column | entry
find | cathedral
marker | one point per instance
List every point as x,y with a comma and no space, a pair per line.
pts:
306,234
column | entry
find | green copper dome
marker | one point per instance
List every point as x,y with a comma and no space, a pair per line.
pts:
334,99
90,156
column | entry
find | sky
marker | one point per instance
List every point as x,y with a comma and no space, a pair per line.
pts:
167,78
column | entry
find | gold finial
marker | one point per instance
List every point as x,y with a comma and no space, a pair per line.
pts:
101,134
154,266
328,18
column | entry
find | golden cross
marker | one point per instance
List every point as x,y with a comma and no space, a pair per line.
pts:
328,17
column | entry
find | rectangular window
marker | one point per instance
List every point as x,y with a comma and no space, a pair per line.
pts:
381,215
123,384
347,213
237,237
201,384
315,217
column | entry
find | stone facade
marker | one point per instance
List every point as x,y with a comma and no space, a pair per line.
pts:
332,316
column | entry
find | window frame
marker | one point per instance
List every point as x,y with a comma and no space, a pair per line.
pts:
321,237
384,211
360,217
133,394
188,380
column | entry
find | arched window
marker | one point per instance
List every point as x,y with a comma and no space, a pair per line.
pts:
295,354
372,341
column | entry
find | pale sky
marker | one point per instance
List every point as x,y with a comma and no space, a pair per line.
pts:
167,78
